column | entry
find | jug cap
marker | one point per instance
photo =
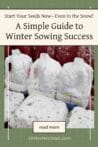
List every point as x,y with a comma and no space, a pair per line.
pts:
16,52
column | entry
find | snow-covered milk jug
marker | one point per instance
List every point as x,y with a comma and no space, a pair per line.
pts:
20,66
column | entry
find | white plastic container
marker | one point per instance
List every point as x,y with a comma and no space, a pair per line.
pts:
74,82
43,75
20,67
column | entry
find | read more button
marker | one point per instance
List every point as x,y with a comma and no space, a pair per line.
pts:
48,127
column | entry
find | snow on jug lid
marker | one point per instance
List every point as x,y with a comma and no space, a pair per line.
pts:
16,52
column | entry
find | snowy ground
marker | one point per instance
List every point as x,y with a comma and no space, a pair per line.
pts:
38,107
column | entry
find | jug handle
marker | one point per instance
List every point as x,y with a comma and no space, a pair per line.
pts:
7,61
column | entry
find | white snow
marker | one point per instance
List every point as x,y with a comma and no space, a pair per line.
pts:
81,118
38,108
47,81
11,101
